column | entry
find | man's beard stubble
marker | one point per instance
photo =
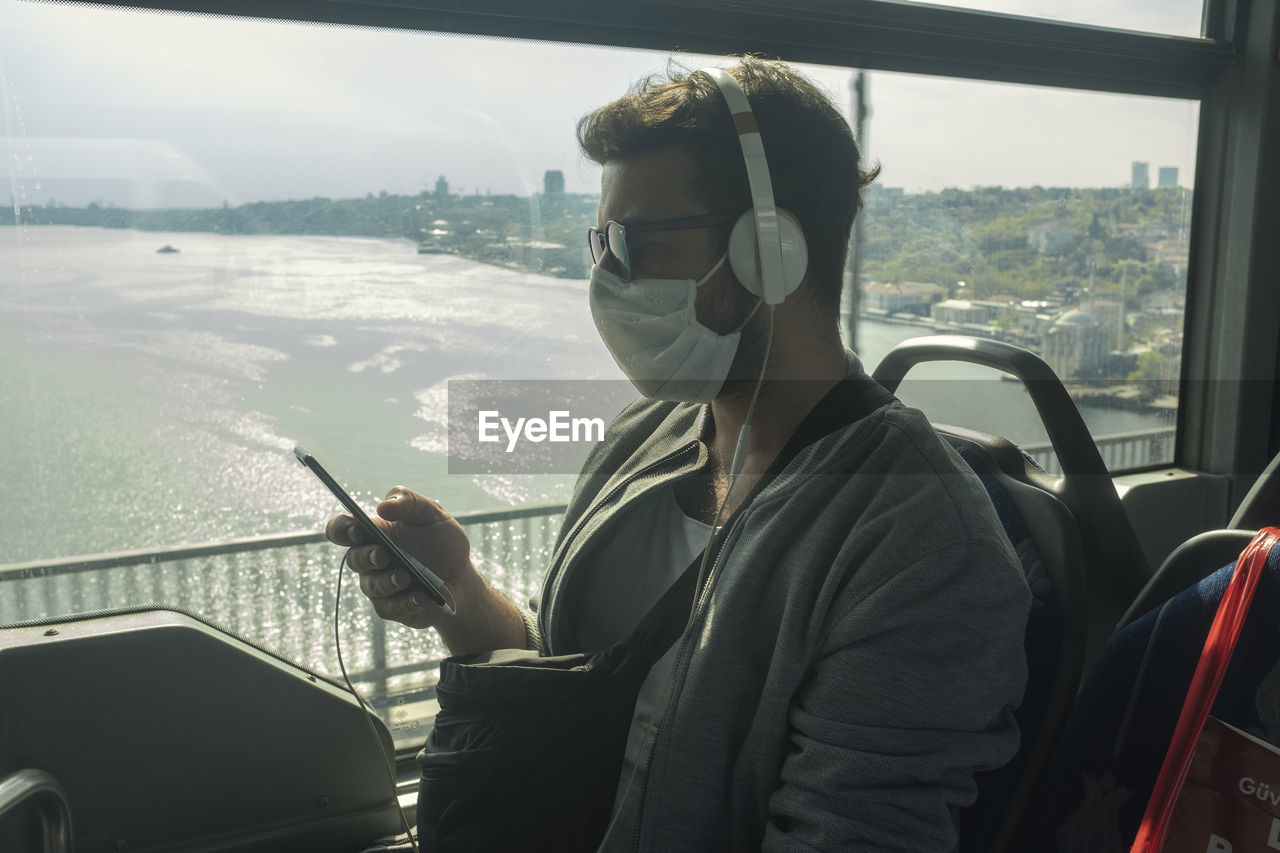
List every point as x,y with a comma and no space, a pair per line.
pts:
744,372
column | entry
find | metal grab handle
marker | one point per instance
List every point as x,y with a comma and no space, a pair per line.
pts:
1057,410
51,802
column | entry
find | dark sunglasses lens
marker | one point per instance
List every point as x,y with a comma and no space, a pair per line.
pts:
596,240
618,246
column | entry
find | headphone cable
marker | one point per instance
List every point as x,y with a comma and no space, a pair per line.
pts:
368,714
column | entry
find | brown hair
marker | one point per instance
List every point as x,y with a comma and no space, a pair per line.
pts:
813,158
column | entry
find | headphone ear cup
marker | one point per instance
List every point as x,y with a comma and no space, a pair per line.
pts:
744,258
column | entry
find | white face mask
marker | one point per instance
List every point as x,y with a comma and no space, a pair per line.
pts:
652,330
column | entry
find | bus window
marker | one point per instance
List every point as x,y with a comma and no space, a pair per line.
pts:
223,242
1026,216
220,243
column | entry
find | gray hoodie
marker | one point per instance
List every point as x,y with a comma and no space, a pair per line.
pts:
856,652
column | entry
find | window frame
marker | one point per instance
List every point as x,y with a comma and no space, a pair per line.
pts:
1233,304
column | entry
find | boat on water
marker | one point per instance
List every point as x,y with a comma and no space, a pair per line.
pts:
166,249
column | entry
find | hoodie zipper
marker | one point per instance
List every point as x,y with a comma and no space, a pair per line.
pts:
703,596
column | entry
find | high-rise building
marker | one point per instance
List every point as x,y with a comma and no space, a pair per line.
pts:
1141,176
1168,176
553,182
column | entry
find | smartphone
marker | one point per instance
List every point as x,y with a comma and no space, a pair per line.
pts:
428,579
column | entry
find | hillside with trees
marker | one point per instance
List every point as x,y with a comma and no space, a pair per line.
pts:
1030,243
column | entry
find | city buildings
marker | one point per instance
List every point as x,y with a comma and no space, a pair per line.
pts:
1141,179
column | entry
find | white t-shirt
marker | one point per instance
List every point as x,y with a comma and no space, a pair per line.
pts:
645,554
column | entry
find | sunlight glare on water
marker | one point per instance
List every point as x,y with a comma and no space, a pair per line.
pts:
170,393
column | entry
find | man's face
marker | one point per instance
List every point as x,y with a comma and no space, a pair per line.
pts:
652,187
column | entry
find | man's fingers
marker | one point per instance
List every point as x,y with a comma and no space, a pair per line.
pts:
368,558
376,584
343,530
404,504
421,526
405,605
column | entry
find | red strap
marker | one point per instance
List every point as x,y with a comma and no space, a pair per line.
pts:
1218,647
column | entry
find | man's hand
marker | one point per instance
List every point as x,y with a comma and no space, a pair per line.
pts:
484,621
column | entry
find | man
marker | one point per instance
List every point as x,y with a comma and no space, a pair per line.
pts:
856,651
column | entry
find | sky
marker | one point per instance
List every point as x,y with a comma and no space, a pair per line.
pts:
144,109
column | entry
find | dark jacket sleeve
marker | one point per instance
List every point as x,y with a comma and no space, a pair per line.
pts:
913,692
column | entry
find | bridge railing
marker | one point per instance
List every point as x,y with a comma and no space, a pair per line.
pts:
278,592
1120,451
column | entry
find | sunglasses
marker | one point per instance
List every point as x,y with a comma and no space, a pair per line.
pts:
613,237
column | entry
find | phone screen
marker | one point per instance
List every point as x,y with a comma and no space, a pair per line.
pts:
429,580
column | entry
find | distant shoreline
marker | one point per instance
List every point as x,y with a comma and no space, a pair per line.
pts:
1107,393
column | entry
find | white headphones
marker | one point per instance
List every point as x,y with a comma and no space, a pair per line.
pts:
767,251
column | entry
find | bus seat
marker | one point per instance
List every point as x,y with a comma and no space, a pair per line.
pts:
1201,554
1044,535
1111,751
168,733
1116,565
1261,506
1189,563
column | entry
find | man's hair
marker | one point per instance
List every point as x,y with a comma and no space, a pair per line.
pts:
813,158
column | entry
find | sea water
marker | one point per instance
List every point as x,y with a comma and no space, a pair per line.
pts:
150,400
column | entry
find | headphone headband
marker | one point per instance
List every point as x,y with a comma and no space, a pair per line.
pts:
772,272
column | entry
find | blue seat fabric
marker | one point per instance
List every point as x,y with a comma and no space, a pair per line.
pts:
1105,767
